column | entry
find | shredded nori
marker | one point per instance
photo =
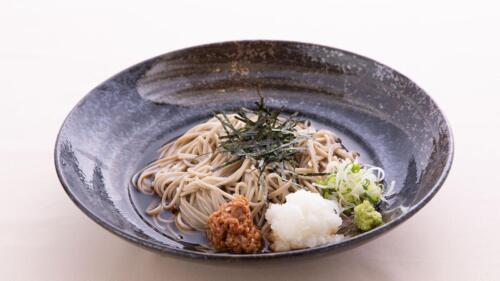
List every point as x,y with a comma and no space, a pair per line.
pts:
268,137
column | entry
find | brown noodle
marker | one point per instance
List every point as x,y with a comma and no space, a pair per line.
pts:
186,179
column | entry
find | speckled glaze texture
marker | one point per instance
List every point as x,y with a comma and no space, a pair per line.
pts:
117,127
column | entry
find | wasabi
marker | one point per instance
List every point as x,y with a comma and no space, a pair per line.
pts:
366,217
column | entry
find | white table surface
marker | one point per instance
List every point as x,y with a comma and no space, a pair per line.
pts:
53,52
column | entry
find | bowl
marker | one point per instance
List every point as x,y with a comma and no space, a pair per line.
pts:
118,127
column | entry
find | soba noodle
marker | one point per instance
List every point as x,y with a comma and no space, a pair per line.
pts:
191,179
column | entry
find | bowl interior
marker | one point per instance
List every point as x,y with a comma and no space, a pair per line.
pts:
119,126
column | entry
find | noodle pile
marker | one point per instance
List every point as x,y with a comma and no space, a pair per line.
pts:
193,178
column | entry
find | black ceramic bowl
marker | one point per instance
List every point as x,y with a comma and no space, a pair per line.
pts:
119,125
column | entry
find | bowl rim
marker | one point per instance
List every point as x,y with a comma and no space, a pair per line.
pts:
357,240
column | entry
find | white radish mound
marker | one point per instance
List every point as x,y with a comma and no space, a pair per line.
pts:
306,220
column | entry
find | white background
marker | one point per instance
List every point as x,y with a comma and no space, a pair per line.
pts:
53,52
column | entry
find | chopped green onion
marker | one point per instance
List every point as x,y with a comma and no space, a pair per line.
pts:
351,183
356,167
